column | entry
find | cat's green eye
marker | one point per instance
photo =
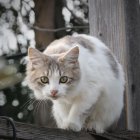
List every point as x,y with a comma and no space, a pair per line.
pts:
44,79
63,79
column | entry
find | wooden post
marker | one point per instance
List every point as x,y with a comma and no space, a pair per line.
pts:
132,18
117,22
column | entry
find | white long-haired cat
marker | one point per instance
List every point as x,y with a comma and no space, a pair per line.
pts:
82,78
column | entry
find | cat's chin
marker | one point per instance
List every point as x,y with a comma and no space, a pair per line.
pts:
49,98
53,98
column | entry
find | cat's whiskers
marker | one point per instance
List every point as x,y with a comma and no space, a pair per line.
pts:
37,106
44,106
27,103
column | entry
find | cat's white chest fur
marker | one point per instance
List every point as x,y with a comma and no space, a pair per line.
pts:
93,98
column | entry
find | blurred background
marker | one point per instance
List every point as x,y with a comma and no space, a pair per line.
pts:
32,23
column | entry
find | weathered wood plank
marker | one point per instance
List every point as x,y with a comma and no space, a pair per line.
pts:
107,22
117,23
32,132
132,23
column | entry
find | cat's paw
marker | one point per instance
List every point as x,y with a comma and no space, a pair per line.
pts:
95,126
98,128
69,125
75,127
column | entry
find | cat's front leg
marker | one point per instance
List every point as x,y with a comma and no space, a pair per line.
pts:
74,124
76,117
80,108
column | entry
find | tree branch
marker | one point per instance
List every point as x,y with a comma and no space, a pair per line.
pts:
58,29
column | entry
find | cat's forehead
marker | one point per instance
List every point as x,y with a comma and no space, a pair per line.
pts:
48,67
52,66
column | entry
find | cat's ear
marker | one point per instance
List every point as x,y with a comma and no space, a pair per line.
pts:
35,57
71,56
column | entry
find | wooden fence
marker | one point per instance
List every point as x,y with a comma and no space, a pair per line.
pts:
117,23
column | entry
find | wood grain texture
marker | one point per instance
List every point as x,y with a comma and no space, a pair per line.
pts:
132,18
32,132
117,23
107,22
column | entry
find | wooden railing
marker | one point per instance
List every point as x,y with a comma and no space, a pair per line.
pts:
32,132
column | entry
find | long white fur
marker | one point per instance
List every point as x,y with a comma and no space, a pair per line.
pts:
97,100
98,88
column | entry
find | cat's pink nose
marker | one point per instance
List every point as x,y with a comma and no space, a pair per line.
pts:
54,93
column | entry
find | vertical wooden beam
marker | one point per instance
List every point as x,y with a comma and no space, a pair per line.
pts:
132,23
109,23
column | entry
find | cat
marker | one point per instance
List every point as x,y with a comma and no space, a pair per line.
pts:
82,78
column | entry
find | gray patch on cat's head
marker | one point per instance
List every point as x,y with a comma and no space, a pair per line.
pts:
113,63
52,67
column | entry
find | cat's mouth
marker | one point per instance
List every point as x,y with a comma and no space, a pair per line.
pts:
54,97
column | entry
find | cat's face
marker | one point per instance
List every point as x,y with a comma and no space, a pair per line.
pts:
53,77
